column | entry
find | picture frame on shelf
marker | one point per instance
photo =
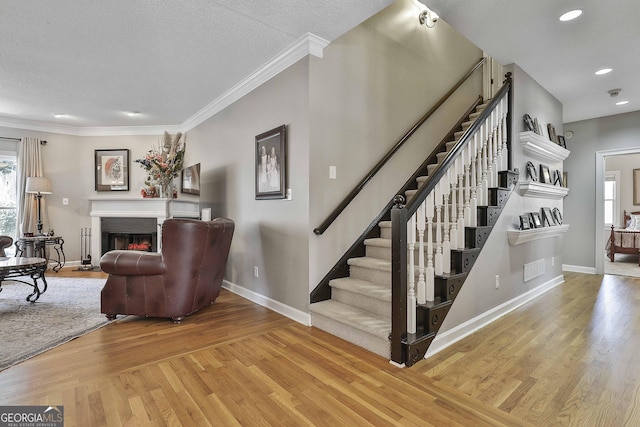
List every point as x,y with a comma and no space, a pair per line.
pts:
544,131
111,170
525,223
271,164
190,180
536,125
547,217
552,133
529,124
557,215
531,172
565,183
558,180
545,175
562,142
534,219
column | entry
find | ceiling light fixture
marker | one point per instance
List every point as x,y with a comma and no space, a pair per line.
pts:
60,115
572,14
132,113
428,18
603,71
622,102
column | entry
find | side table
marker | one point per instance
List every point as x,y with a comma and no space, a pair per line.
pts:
38,245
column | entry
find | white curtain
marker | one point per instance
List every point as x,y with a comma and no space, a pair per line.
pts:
29,164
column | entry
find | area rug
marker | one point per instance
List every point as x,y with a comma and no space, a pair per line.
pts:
624,265
68,309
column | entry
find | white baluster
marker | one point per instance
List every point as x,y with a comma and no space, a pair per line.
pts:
473,203
479,195
438,267
505,148
411,292
495,145
446,244
499,162
453,235
466,154
485,172
489,127
430,279
420,227
460,170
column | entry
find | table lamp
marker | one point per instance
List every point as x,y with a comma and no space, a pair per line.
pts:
38,186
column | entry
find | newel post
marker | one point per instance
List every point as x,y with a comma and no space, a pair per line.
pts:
399,219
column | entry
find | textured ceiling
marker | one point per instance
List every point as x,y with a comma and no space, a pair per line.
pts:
167,59
561,56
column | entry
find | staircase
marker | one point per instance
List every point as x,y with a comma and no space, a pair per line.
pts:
360,309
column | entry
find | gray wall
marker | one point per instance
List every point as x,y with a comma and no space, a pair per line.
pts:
605,135
498,257
371,86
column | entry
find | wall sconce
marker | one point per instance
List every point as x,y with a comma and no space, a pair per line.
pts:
38,186
428,18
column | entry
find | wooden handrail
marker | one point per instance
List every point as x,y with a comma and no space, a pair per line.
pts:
345,202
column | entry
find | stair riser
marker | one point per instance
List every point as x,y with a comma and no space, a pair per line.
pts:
372,275
498,197
475,237
462,261
432,318
488,215
379,252
365,340
363,302
448,288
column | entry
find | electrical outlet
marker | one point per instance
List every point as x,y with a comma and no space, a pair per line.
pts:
255,271
497,281
332,172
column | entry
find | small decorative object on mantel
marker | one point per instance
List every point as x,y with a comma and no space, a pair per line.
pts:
163,164
149,192
531,172
529,124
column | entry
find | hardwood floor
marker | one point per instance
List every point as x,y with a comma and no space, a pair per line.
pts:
568,358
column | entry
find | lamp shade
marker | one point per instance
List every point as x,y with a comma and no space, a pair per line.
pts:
38,185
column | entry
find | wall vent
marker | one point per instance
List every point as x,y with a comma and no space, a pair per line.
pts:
533,269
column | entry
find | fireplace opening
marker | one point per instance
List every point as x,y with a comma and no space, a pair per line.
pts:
129,234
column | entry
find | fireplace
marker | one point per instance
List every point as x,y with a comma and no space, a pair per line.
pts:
129,234
137,218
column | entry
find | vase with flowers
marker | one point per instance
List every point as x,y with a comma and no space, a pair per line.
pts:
164,163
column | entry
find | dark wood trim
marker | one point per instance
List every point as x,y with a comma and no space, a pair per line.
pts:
399,220
345,202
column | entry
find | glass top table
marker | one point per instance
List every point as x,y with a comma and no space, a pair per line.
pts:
12,267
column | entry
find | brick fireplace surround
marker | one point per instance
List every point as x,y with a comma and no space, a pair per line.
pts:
121,207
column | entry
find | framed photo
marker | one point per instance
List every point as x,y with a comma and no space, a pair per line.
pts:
524,222
112,170
545,176
529,124
534,218
531,172
190,180
558,178
536,125
557,216
552,133
547,217
544,131
636,186
561,141
271,164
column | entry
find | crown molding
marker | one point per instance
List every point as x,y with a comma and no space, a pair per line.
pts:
308,44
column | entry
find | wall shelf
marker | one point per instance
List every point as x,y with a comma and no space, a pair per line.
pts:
517,237
545,191
542,147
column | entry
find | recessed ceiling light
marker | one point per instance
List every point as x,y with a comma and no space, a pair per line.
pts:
622,102
60,115
603,71
572,14
132,113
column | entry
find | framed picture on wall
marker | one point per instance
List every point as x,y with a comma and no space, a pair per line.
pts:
271,164
112,170
545,176
636,186
190,182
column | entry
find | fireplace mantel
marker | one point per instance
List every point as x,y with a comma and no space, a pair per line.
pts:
128,207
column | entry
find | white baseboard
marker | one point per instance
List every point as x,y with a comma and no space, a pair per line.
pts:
445,339
278,307
578,269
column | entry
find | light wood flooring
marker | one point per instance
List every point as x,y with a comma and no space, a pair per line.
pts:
568,358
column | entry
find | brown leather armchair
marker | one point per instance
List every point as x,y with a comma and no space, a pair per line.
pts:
185,277
5,242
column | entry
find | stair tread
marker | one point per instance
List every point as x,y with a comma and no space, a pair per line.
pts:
378,241
369,262
363,287
355,317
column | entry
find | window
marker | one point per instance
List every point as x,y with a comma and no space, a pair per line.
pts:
612,198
